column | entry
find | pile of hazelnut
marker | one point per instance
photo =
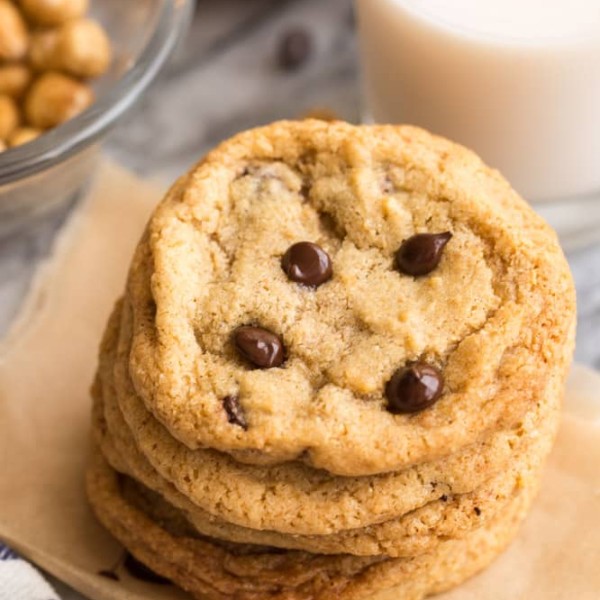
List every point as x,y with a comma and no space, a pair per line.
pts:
48,51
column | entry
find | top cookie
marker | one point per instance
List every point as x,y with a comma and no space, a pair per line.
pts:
286,304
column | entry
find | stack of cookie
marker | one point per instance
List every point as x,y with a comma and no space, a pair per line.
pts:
336,370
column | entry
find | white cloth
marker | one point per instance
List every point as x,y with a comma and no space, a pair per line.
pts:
20,581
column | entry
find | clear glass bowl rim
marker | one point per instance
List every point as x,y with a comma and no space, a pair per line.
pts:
83,130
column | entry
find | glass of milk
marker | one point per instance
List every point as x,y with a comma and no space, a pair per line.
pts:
518,81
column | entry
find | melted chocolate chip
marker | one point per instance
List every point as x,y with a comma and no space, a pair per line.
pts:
307,263
140,571
414,388
261,347
421,253
477,511
294,49
235,413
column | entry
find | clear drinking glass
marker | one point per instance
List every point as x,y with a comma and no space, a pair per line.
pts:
518,81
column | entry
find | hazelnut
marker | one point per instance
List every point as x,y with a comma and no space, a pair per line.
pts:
13,32
54,98
50,13
82,49
9,117
22,135
42,49
14,80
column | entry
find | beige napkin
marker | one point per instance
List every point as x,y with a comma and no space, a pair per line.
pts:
46,367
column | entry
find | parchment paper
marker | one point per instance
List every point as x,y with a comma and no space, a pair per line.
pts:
46,367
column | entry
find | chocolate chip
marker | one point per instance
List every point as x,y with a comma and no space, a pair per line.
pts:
414,388
307,263
295,48
261,347
444,498
140,571
235,413
421,253
478,511
351,18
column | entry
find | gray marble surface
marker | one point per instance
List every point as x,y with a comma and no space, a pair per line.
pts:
225,78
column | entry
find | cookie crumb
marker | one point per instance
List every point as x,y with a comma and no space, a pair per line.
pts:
321,114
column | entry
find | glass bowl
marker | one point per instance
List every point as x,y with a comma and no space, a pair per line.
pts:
43,175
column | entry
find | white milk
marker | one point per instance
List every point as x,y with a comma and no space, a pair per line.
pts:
516,80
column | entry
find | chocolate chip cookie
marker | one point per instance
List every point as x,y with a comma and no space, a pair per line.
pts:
336,370
211,569
363,299
294,498
414,533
